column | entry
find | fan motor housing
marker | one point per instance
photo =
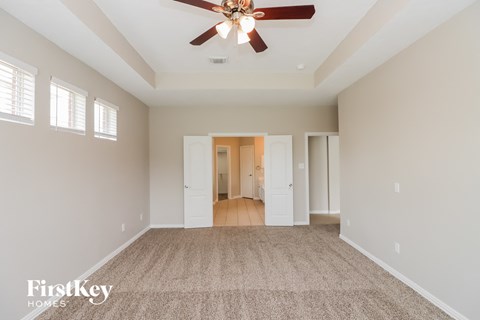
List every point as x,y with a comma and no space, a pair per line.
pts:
243,6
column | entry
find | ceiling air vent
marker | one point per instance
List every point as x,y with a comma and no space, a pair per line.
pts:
218,60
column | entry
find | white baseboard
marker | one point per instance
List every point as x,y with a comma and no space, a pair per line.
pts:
324,212
424,293
167,226
256,198
319,212
301,223
37,311
235,197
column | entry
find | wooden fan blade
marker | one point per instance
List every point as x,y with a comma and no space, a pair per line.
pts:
283,13
199,3
257,42
204,37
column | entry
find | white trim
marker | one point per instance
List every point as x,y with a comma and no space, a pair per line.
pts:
105,136
256,198
106,103
18,63
319,212
240,135
167,226
307,175
70,130
324,211
235,197
16,119
301,223
69,86
37,311
424,293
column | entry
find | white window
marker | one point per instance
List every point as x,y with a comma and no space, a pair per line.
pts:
17,90
105,120
67,106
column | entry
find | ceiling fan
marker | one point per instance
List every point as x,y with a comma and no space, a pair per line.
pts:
241,14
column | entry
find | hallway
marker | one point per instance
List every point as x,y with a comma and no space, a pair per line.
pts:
239,212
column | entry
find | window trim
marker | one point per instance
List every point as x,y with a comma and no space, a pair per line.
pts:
27,69
18,63
76,90
101,135
69,86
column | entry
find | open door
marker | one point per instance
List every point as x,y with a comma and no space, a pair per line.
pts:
198,193
278,181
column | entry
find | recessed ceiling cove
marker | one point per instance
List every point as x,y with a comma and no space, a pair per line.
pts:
161,31
143,46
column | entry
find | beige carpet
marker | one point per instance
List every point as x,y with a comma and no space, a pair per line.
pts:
247,273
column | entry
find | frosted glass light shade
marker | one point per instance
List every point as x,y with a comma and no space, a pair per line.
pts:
247,23
242,36
223,29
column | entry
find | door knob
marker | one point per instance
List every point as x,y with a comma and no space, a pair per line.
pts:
250,175
290,185
186,187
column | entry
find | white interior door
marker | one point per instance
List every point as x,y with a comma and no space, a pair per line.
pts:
278,181
246,171
198,193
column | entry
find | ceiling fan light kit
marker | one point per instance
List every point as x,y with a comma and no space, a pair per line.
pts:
242,14
223,29
242,36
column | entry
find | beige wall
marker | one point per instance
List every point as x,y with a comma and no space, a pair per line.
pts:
416,121
169,125
63,197
334,173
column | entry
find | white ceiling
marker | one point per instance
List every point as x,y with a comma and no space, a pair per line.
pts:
160,31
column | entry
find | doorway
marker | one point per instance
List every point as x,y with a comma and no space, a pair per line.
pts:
223,187
276,186
323,178
242,204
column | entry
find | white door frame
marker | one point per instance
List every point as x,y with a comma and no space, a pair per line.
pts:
253,170
237,135
229,171
307,173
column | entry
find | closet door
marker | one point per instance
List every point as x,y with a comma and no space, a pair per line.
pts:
278,181
198,193
333,175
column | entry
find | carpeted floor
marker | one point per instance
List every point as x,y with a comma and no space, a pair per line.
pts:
247,273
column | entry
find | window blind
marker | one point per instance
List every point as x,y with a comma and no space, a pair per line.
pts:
17,91
105,119
67,106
